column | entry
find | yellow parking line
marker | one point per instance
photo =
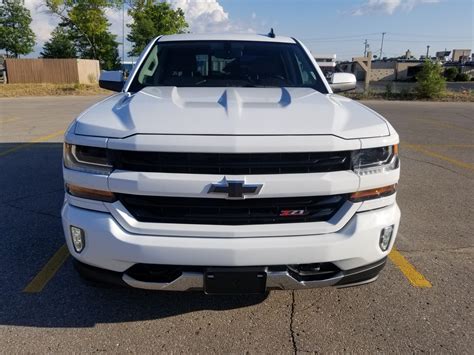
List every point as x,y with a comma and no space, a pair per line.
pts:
36,140
415,278
9,120
447,145
420,149
445,124
48,271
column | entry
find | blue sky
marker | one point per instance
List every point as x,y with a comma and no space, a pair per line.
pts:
340,26
325,26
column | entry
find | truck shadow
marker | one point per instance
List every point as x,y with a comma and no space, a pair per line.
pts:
30,228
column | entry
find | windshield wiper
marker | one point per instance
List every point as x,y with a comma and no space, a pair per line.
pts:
203,81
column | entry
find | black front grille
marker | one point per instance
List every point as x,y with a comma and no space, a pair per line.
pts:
232,212
230,163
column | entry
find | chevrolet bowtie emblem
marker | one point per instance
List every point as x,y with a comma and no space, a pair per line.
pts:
235,189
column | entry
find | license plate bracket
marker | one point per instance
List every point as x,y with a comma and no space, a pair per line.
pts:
228,281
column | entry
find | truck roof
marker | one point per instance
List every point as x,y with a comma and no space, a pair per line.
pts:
225,37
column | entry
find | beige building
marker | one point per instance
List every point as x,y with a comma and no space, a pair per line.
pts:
461,55
385,70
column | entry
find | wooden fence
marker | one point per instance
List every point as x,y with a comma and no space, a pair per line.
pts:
58,71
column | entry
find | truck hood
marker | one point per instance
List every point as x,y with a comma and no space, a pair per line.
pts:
230,111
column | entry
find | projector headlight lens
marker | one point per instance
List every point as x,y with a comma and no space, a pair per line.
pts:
86,159
375,160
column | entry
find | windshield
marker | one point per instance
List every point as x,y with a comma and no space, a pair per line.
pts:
227,64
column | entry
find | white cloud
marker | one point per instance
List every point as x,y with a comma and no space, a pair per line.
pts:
389,6
208,16
201,15
42,23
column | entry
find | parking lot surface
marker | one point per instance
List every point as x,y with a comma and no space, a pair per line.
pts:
421,302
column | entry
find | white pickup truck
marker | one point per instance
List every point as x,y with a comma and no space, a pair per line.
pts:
226,164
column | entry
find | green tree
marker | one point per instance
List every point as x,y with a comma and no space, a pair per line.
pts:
152,19
463,77
59,46
450,73
87,26
16,36
430,81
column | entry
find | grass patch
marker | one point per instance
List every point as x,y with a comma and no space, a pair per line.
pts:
405,95
17,90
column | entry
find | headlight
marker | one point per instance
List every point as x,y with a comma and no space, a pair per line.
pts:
375,160
87,159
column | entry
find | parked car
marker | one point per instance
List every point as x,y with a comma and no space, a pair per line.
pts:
226,164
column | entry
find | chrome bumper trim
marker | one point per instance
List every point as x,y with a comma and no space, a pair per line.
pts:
276,280
187,281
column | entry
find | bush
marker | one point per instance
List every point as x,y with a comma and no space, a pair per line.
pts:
450,73
430,81
463,77
405,94
388,91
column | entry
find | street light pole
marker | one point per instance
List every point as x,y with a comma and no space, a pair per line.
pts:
427,51
123,33
381,45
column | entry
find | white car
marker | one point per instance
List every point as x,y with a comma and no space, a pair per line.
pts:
226,164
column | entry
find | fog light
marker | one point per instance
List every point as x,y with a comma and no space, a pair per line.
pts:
78,239
386,237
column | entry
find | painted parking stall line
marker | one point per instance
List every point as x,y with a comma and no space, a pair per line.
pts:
48,271
420,149
36,140
415,277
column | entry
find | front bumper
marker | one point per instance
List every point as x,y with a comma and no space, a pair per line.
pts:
354,247
194,280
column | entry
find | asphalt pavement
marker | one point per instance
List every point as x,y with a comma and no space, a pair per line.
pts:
394,314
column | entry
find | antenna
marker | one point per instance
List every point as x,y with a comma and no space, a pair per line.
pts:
271,34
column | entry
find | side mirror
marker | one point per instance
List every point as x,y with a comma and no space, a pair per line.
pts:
343,82
111,80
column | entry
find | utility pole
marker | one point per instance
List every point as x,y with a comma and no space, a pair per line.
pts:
123,33
366,45
427,51
381,45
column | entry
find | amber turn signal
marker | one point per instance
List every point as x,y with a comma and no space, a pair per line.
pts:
373,193
91,194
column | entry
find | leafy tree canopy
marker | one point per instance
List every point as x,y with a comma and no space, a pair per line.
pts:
151,19
87,26
59,46
16,36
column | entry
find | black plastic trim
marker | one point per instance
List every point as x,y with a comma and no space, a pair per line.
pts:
219,211
97,276
230,163
363,273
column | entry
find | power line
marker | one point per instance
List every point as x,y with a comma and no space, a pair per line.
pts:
392,34
340,37
337,40
424,40
398,34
